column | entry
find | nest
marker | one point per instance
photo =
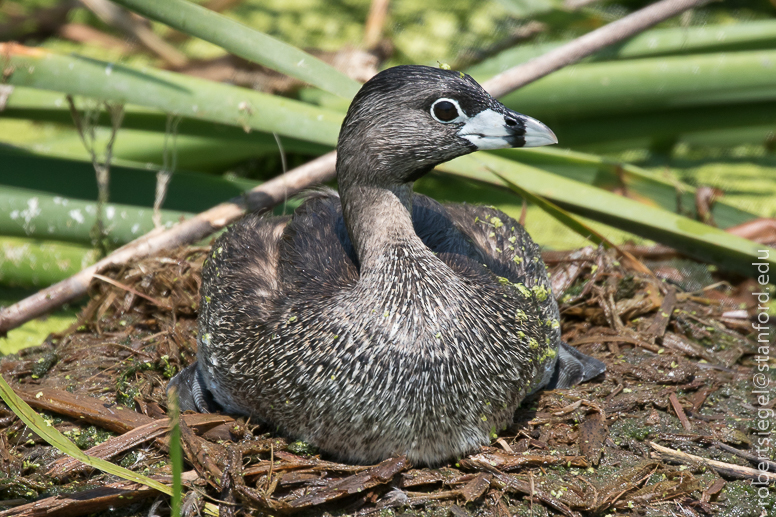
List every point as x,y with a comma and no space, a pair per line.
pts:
669,428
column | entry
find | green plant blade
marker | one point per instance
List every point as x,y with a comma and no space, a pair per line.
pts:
608,174
582,167
192,153
48,106
176,453
170,92
592,133
245,42
588,168
56,439
36,263
754,35
33,214
561,215
51,174
527,8
632,131
646,85
695,239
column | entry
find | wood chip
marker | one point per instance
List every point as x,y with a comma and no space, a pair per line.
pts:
713,489
421,477
505,445
659,323
618,339
685,346
507,462
510,482
564,276
90,501
679,410
474,489
81,407
378,475
67,466
592,435
208,458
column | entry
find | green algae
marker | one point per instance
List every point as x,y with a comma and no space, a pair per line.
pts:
746,500
130,459
91,436
633,428
523,289
302,448
541,292
496,222
43,365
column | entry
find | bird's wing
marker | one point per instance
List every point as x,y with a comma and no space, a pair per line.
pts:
485,235
246,260
317,257
508,251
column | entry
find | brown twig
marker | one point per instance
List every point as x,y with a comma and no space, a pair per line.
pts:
83,408
85,125
91,501
659,323
523,213
271,464
232,471
83,503
679,410
5,91
728,469
380,474
583,46
373,31
752,458
530,489
203,455
82,33
616,339
67,465
131,290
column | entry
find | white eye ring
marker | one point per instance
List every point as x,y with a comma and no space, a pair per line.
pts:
461,117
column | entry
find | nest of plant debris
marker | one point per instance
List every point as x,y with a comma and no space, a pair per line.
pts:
667,430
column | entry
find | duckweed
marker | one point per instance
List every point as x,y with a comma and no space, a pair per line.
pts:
541,292
496,222
43,365
302,448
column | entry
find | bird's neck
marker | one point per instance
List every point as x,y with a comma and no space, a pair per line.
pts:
379,221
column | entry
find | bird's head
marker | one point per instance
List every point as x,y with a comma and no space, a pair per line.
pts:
408,119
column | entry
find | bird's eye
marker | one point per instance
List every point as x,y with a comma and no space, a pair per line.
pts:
445,111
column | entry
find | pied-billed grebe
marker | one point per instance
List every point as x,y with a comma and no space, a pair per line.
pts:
379,322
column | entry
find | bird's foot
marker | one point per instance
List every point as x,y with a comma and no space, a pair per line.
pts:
192,393
573,367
